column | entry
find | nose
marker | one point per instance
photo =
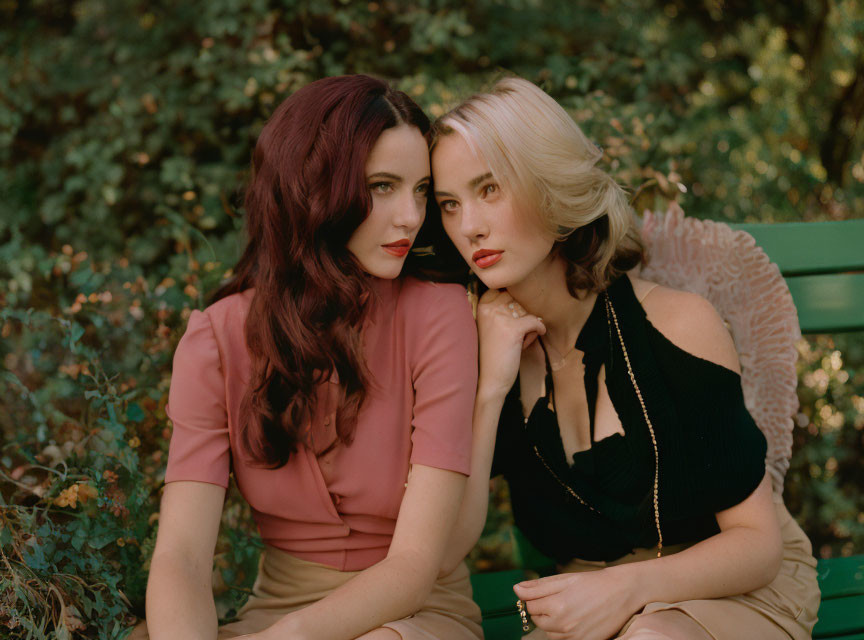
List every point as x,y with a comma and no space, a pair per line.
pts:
472,223
410,212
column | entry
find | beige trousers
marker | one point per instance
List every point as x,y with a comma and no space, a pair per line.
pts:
286,583
782,610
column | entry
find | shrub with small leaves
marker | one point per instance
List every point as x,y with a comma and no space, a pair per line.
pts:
126,129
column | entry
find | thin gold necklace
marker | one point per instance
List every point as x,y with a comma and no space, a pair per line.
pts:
562,360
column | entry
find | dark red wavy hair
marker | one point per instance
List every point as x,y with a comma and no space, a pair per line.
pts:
306,196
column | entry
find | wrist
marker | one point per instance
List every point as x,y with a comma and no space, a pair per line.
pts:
490,393
638,584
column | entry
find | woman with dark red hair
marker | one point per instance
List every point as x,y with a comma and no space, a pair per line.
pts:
337,391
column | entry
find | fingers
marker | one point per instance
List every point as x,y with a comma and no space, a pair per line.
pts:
546,614
546,623
516,309
555,577
539,607
528,322
531,322
500,303
542,587
532,325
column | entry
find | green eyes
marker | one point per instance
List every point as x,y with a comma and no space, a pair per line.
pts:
388,187
381,187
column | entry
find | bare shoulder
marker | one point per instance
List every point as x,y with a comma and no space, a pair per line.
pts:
689,321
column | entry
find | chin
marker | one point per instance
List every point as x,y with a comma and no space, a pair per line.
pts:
494,280
384,271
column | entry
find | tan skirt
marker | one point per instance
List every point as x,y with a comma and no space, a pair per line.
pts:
786,608
286,583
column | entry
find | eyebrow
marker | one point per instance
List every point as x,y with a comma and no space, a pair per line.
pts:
384,174
471,183
395,178
480,179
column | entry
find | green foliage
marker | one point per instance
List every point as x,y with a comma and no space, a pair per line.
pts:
126,129
826,473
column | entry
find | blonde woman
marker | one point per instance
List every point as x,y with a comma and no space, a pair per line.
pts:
612,406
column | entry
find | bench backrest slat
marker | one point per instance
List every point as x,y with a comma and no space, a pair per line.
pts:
803,248
819,261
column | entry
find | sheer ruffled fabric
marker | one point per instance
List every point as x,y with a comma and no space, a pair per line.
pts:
727,268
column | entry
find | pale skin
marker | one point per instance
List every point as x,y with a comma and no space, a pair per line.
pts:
528,297
179,592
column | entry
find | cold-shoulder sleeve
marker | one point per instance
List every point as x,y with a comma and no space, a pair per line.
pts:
445,380
723,442
199,447
717,450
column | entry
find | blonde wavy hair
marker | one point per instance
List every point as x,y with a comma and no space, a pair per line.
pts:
534,148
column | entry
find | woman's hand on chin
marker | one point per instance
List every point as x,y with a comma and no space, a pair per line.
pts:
592,605
504,330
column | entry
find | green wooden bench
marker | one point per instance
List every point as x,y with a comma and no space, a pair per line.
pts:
823,264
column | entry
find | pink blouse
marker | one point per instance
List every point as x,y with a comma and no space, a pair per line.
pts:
339,509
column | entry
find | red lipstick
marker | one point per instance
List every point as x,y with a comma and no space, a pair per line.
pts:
485,258
398,248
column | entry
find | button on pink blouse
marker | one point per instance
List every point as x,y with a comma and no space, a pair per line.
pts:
420,342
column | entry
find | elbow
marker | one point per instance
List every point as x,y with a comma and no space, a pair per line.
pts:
453,555
457,551
461,543
449,564
423,574
419,594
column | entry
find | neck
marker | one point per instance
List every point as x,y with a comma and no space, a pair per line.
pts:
544,293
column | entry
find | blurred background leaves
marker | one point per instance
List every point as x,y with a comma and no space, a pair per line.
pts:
126,128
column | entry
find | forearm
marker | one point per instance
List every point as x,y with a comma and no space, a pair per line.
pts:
475,504
179,601
733,562
393,589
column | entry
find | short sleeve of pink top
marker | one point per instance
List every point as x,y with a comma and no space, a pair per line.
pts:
420,343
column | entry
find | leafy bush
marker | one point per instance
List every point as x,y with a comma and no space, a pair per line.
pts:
125,132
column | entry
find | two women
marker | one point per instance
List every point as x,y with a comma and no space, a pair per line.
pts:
612,406
338,392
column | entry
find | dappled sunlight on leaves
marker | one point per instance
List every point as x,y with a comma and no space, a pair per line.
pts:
125,138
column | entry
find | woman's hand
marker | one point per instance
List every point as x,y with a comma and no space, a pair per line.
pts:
504,330
592,605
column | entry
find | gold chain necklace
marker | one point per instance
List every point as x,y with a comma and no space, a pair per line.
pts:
611,310
610,314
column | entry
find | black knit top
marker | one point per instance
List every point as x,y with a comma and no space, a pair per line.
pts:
711,453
